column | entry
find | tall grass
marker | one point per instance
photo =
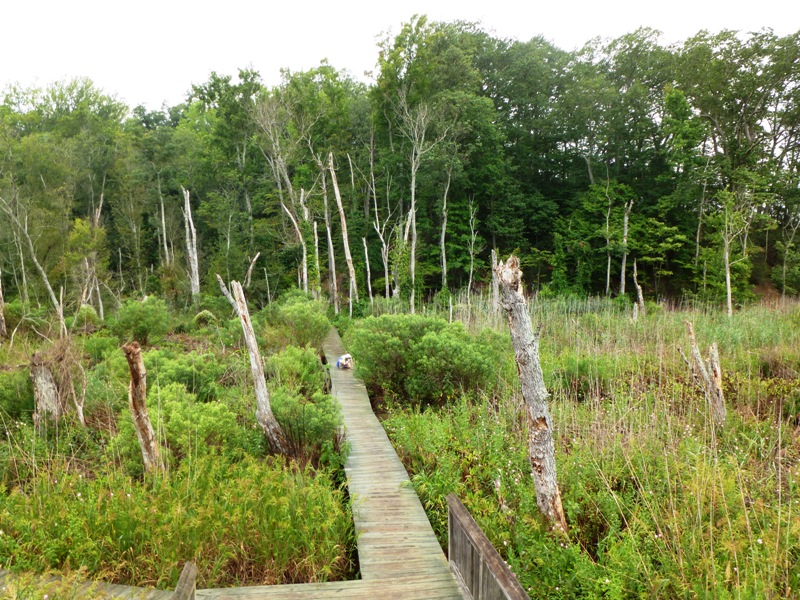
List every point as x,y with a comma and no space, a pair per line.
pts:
660,503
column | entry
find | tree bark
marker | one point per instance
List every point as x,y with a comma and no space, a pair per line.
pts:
250,270
269,425
442,236
625,221
191,246
318,278
534,392
639,295
47,404
369,274
708,376
332,283
495,284
347,255
304,266
137,400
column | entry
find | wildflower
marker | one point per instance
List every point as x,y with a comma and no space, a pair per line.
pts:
760,541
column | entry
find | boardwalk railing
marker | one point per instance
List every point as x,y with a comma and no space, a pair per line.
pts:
477,566
186,584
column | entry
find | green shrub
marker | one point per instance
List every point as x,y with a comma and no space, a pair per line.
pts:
420,359
185,428
311,424
199,373
87,319
204,318
99,347
297,369
16,394
307,322
383,349
143,321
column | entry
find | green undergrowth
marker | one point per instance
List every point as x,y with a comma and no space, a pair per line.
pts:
76,501
659,503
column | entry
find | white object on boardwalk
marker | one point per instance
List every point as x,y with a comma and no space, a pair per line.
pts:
345,361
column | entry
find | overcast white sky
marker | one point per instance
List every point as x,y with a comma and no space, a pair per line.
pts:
151,51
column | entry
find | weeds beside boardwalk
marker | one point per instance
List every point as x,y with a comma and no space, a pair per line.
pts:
658,502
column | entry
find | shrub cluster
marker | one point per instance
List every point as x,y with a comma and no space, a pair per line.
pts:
418,359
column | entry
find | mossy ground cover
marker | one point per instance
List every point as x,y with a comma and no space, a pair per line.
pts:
76,500
659,503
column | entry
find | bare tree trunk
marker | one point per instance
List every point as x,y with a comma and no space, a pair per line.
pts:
473,237
269,425
625,221
726,256
348,257
369,273
495,284
318,279
332,283
540,426
250,270
442,247
47,404
3,330
137,399
708,376
639,294
163,216
228,296
191,246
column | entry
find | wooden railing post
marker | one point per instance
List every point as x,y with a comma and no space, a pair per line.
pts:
477,566
186,584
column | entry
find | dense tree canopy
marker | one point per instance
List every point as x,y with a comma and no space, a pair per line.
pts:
683,158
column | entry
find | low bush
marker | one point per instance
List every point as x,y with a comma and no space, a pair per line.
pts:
16,394
144,321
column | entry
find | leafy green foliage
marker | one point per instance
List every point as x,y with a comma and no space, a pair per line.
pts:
142,321
16,394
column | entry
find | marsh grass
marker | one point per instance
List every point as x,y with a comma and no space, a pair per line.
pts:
660,503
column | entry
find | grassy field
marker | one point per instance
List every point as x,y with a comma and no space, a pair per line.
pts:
660,502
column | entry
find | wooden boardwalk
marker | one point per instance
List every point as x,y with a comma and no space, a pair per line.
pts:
399,555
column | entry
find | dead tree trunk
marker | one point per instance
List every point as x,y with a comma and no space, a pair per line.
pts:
625,221
250,270
318,278
347,255
443,234
137,399
495,284
534,392
639,295
47,402
708,376
3,330
369,273
269,425
191,246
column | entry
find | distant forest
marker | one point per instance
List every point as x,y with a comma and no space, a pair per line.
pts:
681,161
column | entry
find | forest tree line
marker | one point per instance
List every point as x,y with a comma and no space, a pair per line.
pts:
682,161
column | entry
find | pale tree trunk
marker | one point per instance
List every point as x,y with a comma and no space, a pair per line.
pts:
443,234
534,392
608,240
332,283
726,256
625,221
369,273
639,295
318,280
304,266
473,237
495,284
348,257
47,403
191,247
228,296
163,216
708,376
137,400
3,330
250,270
269,425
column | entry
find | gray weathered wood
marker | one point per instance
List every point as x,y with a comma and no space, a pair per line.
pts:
137,400
185,590
191,246
474,560
540,425
269,425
